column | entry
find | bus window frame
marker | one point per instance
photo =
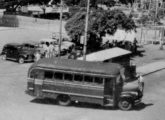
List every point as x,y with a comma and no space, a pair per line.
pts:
43,75
75,73
101,84
55,79
86,82
52,79
67,80
76,80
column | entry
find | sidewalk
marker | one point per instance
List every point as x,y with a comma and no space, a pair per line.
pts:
151,68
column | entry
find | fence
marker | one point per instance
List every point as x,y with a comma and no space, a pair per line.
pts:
148,35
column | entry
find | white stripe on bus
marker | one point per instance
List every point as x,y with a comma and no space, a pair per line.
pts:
74,84
58,92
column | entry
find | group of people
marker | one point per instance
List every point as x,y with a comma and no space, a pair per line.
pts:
131,46
47,50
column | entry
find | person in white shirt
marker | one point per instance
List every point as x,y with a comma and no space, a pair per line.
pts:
37,55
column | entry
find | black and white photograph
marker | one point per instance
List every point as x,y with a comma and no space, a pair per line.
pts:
82,59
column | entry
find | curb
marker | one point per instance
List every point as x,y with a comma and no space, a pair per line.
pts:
159,66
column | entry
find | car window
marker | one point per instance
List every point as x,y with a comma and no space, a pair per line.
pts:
27,46
13,48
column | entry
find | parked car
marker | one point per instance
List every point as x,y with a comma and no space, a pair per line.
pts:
19,52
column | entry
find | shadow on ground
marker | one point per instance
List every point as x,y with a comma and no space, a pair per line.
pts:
44,101
48,101
142,106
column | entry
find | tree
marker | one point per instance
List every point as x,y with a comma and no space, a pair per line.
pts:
93,3
127,2
100,23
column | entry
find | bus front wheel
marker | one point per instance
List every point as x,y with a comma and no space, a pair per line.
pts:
125,104
64,100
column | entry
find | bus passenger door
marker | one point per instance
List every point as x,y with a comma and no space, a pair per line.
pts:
108,91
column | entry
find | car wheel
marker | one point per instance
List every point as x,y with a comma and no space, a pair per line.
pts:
21,60
64,100
4,57
125,104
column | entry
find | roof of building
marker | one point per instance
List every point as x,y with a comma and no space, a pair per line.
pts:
106,54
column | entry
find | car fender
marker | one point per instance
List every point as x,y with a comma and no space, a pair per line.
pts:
128,95
23,56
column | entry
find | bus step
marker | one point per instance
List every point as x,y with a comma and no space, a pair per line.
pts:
108,102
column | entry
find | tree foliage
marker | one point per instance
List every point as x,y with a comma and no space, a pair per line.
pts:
127,2
100,23
93,3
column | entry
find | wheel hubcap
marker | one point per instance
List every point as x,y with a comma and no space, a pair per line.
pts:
125,104
21,60
4,57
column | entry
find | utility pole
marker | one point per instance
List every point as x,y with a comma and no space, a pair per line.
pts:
156,10
161,39
86,30
60,32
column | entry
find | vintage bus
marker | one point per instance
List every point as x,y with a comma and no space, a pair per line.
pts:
67,81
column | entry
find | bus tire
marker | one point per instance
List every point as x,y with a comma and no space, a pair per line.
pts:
125,104
64,100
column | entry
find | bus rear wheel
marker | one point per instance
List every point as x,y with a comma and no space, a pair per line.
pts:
64,100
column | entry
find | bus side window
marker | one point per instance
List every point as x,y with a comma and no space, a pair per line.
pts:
58,75
88,79
98,80
49,75
78,78
68,77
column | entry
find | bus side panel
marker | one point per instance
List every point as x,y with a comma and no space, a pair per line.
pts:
80,92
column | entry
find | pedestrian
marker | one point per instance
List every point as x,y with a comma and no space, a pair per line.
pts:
37,55
135,45
51,50
47,50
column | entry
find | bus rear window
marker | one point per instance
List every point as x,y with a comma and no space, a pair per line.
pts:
37,74
58,76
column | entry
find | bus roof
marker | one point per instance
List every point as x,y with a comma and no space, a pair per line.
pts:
79,66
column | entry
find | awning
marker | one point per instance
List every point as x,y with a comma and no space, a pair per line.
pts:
106,54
